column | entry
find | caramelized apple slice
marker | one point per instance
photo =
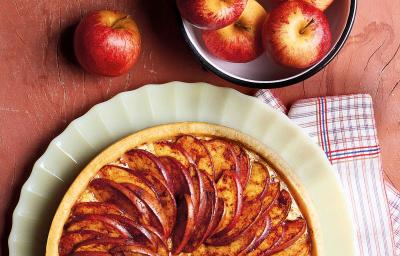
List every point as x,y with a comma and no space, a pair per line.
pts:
292,231
144,235
216,217
261,234
203,218
142,160
187,185
272,195
270,240
132,250
236,246
247,217
197,153
301,247
124,175
112,192
184,224
95,208
281,207
70,239
222,156
158,215
163,193
244,163
257,184
97,223
230,191
180,184
251,207
102,244
165,148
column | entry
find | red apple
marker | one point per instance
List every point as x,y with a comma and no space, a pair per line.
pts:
211,14
240,41
297,34
107,43
320,4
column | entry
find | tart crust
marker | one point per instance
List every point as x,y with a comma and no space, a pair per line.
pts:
156,133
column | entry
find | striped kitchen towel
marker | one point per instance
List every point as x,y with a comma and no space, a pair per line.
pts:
344,127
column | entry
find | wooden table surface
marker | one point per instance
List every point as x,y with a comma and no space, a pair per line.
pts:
42,89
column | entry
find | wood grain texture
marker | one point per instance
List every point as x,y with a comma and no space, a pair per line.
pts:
43,89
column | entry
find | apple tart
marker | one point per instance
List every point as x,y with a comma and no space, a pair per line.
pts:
185,189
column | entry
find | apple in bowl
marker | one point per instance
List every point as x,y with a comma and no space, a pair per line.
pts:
297,34
320,4
107,43
211,14
241,41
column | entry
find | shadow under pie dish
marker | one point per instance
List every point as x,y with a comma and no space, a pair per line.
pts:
185,189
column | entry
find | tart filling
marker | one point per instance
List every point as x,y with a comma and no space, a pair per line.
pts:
187,194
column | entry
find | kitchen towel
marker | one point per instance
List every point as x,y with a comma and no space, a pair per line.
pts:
344,127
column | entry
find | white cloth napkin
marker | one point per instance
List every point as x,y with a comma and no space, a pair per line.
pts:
344,127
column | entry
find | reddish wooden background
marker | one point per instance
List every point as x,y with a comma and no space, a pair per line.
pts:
42,89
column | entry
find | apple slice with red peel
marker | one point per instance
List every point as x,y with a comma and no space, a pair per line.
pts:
270,240
162,192
222,156
142,160
166,148
145,235
239,244
280,208
158,215
70,239
197,153
272,195
301,247
203,218
250,212
95,208
97,223
247,217
184,225
230,191
132,250
179,183
102,244
201,179
261,234
112,192
121,174
244,163
258,183
218,212
186,185
256,187
292,231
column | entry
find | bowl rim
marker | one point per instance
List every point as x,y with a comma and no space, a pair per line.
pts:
279,82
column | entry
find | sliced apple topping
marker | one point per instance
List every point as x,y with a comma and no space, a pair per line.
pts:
191,196
222,156
198,154
185,225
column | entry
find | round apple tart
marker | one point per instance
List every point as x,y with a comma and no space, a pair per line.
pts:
185,189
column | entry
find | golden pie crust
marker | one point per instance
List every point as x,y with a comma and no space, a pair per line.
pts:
164,132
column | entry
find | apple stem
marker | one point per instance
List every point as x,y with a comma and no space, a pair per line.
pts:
118,21
242,26
308,24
